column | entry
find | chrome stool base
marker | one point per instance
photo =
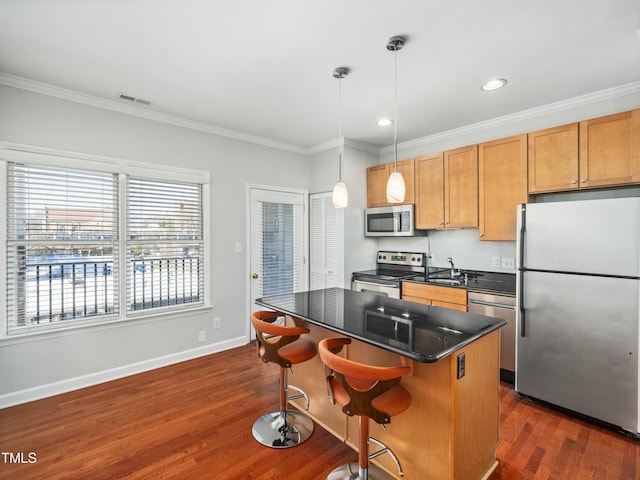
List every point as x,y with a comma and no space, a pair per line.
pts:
282,430
351,471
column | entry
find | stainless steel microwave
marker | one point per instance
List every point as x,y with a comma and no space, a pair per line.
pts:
395,221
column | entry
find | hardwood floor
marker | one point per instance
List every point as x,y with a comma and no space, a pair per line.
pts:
193,420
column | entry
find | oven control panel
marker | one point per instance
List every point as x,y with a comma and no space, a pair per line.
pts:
412,259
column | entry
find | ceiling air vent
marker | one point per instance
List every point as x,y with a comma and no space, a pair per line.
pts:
129,98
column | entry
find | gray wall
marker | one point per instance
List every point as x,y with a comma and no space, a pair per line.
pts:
355,252
40,365
44,364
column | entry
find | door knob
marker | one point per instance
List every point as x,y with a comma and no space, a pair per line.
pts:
255,275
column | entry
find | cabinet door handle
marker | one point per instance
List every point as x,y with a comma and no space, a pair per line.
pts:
584,180
573,182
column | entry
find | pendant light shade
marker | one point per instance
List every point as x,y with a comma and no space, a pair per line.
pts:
340,196
395,184
395,188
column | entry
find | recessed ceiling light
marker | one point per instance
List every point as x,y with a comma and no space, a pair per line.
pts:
494,84
384,122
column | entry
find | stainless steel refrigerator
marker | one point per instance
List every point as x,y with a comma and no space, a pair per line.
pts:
578,291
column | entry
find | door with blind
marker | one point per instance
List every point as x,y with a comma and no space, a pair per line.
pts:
277,244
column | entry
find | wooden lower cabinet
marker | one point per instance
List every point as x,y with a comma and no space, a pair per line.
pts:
451,429
447,297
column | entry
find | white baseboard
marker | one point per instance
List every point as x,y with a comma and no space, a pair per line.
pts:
76,383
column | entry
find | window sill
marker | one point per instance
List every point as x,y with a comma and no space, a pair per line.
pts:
132,318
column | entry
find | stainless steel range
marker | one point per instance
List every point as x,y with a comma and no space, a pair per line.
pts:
392,268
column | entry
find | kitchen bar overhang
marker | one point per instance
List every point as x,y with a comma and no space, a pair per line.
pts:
423,333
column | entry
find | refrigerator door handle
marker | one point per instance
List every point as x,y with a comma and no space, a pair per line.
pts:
523,229
521,306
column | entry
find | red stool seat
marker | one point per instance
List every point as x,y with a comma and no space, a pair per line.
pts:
282,344
366,391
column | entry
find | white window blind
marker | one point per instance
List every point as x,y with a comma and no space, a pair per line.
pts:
164,243
281,246
62,239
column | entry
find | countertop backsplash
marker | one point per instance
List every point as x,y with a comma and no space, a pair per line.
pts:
462,245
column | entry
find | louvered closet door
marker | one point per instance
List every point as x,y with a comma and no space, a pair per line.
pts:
323,247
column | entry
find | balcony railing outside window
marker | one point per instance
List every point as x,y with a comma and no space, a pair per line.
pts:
59,291
160,282
68,290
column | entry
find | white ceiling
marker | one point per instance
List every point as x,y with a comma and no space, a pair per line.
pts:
264,68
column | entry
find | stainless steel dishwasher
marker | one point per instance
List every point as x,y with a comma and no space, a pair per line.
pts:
499,306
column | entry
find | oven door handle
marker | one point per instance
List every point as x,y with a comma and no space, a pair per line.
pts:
377,284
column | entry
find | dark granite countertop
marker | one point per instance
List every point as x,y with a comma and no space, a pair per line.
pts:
470,279
421,332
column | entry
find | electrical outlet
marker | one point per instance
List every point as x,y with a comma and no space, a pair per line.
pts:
238,247
495,262
202,336
216,322
461,365
507,262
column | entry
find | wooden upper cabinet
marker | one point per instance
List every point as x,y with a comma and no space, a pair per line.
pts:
447,189
553,159
610,150
430,191
461,187
600,152
377,185
502,179
378,176
407,169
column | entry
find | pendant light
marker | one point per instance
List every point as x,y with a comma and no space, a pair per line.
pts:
340,196
395,184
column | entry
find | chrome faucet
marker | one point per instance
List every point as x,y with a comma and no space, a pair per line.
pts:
453,268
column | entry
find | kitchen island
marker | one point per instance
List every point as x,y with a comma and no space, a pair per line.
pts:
450,431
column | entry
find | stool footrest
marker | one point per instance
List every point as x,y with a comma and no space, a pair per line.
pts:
384,450
302,394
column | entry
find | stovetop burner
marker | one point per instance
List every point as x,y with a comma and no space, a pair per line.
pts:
394,266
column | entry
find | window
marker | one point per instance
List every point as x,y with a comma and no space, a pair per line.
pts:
164,233
68,262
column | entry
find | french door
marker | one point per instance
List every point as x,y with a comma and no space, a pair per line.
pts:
277,243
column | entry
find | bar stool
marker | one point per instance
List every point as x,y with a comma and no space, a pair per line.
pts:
368,392
282,345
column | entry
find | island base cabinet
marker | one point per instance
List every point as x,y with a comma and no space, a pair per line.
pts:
451,429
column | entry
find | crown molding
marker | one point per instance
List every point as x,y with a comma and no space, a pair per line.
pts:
142,112
556,107
349,142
